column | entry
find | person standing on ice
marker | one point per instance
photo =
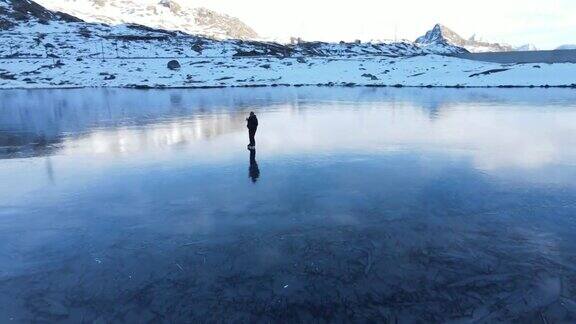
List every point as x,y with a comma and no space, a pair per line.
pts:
252,128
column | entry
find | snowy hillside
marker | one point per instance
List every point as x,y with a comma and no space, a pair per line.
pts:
163,14
32,31
442,35
422,71
382,48
25,13
43,49
526,47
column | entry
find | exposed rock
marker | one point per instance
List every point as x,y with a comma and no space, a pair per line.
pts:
442,35
230,26
174,65
488,72
370,76
174,7
14,11
526,48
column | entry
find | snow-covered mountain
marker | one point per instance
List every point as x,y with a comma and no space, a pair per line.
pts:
40,48
567,47
162,14
442,35
526,48
29,30
32,31
390,49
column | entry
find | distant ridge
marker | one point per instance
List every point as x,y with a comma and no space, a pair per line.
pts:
443,35
162,14
525,48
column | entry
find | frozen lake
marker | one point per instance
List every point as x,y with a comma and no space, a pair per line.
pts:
406,205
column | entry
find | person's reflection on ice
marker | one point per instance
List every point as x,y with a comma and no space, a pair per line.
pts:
253,171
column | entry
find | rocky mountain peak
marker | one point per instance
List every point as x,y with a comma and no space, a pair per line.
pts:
230,26
442,35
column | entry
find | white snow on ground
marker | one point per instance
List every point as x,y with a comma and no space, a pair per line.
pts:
429,70
41,49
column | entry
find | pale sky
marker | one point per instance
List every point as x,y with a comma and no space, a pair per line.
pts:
545,23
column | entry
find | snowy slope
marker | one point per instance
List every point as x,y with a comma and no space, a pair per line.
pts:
422,71
32,31
26,13
163,14
43,49
526,47
442,35
377,48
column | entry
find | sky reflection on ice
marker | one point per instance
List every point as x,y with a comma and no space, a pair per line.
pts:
408,204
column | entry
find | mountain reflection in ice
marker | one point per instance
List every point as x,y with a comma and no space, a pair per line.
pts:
482,124
386,205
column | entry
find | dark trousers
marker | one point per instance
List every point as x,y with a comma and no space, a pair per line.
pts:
252,134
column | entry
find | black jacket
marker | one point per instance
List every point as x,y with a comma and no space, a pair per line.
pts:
252,122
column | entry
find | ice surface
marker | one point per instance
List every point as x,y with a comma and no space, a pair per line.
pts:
388,205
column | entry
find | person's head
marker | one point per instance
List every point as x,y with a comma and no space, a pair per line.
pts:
252,113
